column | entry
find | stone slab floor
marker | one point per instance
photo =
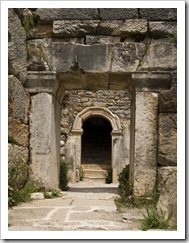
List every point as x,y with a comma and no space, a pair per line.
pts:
85,206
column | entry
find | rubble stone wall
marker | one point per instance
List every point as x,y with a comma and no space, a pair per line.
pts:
77,100
18,101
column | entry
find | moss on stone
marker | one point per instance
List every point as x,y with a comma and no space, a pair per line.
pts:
28,24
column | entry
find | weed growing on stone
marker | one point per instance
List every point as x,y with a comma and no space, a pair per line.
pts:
154,220
108,178
81,173
28,23
52,193
16,195
124,183
64,178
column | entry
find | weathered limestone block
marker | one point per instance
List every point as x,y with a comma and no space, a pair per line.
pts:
127,56
18,158
16,47
50,14
95,81
118,13
160,56
36,60
44,166
132,27
19,100
145,143
109,27
167,139
39,55
64,57
167,186
162,29
168,101
74,28
95,58
18,132
91,40
42,31
151,81
45,55
158,13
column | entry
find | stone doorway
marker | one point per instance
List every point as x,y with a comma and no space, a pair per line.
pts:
96,141
97,116
96,149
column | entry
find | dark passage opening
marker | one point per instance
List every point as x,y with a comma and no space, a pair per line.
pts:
96,141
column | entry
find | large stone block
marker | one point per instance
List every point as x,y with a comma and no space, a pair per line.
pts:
109,27
162,29
40,143
39,55
74,28
168,101
151,81
161,55
133,27
127,56
19,100
50,14
44,146
158,13
118,13
167,154
16,47
91,40
95,81
64,57
167,187
145,143
18,167
18,132
95,58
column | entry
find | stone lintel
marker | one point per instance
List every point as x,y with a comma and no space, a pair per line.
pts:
151,81
41,82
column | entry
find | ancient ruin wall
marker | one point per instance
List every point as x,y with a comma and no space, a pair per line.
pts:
131,39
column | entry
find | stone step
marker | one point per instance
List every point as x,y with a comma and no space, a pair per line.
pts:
94,179
95,166
95,173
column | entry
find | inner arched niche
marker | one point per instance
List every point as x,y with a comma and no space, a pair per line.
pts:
96,141
74,145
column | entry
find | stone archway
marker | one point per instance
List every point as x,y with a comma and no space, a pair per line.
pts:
74,148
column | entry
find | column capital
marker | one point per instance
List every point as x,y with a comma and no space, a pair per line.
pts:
41,82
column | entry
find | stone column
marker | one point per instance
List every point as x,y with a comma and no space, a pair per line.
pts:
145,143
73,154
117,155
46,95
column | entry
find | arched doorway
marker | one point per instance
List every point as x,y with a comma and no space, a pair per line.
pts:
83,121
96,141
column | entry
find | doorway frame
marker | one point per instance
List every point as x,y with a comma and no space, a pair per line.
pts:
77,132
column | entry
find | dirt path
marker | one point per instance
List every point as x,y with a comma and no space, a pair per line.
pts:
83,207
